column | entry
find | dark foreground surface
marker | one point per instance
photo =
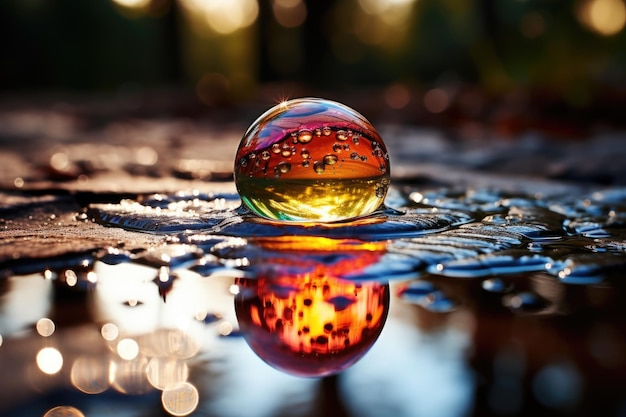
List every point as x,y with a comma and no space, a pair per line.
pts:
132,284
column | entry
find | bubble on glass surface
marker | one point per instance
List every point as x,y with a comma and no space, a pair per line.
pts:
305,174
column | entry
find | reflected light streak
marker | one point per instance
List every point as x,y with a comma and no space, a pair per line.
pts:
181,399
49,360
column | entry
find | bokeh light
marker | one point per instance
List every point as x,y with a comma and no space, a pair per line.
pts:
180,399
90,374
289,13
223,16
128,349
132,4
166,371
436,100
45,327
109,332
605,17
64,411
397,96
49,360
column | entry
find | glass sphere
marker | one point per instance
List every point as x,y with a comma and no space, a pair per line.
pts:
312,159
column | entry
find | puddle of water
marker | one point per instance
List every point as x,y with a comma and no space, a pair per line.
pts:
309,299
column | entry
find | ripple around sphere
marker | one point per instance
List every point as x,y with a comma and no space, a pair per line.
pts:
320,161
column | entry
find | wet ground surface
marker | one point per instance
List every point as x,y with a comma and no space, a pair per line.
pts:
132,282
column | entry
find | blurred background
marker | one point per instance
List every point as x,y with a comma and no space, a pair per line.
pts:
550,65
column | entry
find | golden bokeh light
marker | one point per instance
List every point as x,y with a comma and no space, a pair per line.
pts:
64,411
223,16
604,17
289,13
132,4
180,399
90,374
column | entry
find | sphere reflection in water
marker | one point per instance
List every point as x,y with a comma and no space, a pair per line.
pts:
311,159
311,326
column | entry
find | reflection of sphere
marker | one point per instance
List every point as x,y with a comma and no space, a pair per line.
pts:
312,159
311,326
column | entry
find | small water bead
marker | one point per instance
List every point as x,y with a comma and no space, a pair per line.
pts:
300,171
330,159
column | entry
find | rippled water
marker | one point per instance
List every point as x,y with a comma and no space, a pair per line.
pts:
449,252
455,234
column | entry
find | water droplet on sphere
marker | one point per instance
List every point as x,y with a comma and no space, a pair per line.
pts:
284,167
330,159
275,188
319,167
305,136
